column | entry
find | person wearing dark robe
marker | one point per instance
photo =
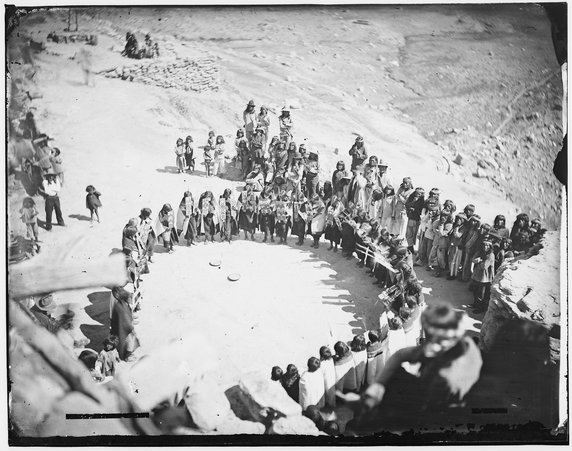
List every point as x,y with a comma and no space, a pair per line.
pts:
291,382
189,154
349,225
248,217
267,218
333,229
503,252
521,223
282,218
337,176
131,49
186,218
358,153
122,324
449,366
276,373
92,202
249,117
228,216
413,207
208,218
470,237
299,218
455,252
245,160
536,231
257,146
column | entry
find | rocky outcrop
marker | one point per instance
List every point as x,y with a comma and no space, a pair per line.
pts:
528,288
188,74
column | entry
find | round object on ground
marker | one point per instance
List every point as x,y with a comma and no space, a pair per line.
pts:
214,262
233,277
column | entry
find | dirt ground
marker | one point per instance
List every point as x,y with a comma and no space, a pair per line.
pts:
403,92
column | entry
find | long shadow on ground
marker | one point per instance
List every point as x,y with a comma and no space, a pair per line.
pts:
97,311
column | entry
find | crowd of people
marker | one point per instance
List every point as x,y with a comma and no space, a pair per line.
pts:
389,229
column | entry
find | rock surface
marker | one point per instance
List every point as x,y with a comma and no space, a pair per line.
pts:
266,399
297,425
527,288
207,405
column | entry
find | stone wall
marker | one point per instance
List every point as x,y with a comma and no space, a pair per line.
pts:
528,288
199,75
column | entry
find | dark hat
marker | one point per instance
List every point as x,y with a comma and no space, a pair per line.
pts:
146,212
359,138
46,303
251,103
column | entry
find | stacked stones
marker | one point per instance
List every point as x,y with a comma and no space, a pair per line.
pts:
187,74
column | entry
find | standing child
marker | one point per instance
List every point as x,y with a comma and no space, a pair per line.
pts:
92,202
282,221
208,158
109,357
219,157
180,153
30,218
189,154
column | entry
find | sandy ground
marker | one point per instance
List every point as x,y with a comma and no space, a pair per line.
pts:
119,136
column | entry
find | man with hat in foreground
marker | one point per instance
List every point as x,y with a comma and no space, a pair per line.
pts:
42,310
50,189
450,365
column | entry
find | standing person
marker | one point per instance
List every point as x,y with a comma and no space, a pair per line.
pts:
147,233
387,209
482,277
186,219
356,190
266,210
346,379
286,126
85,60
239,138
189,154
92,202
317,219
263,122
291,382
455,252
413,208
426,237
337,177
503,253
276,374
58,164
299,218
122,324
468,241
359,354
211,139
283,220
499,230
208,160
50,189
208,216
109,356
441,241
30,218
245,160
255,178
312,171
403,192
358,153
219,167
521,223
257,146
249,117
165,227
329,373
180,153
280,161
292,152
376,354
248,211
333,229
312,390
228,213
